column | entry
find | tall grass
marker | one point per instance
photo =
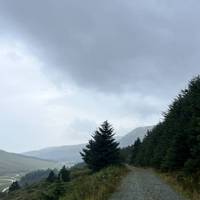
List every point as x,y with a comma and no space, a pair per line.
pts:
98,186
188,186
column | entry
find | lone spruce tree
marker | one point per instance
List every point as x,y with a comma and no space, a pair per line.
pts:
51,177
64,174
102,150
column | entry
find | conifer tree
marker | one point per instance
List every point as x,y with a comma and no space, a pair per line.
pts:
51,177
135,150
14,186
64,174
174,144
102,150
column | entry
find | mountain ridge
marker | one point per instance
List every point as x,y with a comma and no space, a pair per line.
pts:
71,153
130,137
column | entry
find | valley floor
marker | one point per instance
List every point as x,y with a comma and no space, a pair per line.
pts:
144,184
5,181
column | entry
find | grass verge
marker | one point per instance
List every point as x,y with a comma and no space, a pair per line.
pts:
188,186
98,186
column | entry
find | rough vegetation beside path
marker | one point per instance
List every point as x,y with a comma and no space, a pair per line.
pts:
144,184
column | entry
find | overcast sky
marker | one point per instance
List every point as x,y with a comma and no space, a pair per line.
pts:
68,65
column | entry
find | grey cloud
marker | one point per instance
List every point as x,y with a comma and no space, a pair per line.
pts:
113,46
79,131
119,60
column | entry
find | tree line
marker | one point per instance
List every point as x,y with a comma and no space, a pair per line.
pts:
50,176
174,144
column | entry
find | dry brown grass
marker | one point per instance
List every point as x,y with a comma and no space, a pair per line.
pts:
188,186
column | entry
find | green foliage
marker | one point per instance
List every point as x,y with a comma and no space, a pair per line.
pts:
34,177
40,191
85,185
135,150
174,144
102,150
64,175
14,186
51,177
54,192
95,186
125,154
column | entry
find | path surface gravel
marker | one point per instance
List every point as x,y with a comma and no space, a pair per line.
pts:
144,184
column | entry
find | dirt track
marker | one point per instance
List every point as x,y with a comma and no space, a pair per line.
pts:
143,184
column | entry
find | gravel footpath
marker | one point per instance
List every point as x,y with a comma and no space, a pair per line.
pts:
143,184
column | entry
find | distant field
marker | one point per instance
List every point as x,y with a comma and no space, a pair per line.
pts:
5,181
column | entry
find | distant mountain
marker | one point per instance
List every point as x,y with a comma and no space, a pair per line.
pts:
67,153
71,153
11,163
130,138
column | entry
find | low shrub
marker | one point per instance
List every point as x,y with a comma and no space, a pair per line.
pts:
97,186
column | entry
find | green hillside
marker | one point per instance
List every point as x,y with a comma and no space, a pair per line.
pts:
11,163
